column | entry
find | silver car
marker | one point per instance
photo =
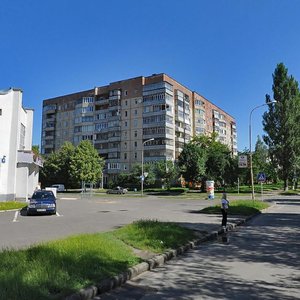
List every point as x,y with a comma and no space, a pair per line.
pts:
117,190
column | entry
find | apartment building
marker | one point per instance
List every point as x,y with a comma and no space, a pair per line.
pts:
19,167
121,117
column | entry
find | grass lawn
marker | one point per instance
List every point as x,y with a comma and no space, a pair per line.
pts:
11,205
239,207
56,269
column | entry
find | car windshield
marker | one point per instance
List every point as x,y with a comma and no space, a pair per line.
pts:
42,195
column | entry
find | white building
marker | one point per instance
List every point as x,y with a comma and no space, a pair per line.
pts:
19,168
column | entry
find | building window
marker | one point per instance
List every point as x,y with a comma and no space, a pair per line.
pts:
135,155
0,111
135,123
135,144
126,102
22,137
126,123
125,145
125,155
135,134
125,93
135,112
126,113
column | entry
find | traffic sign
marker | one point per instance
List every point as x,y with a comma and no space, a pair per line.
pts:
261,177
243,161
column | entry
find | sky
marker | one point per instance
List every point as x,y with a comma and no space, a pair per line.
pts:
225,50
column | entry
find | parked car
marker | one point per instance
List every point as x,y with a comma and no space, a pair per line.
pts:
59,187
117,190
42,202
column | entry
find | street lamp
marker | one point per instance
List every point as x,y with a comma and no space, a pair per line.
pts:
250,142
142,176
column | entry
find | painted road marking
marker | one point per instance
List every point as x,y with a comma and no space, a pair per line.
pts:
16,216
67,198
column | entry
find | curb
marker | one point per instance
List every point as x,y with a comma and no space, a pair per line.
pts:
111,283
152,263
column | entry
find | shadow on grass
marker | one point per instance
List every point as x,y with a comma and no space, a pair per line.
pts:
42,272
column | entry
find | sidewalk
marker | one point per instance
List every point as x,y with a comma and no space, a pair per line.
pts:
207,228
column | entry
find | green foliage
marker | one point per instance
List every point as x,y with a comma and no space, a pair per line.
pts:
205,158
56,167
56,269
59,268
166,172
192,161
132,179
282,124
154,236
70,165
11,205
238,207
85,163
36,149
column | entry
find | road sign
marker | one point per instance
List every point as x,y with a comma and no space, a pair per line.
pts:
243,161
261,177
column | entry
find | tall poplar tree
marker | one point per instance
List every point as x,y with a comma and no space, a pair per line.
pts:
281,123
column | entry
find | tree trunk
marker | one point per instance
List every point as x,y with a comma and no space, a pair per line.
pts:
286,185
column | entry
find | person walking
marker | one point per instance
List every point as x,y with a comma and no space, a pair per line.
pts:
224,209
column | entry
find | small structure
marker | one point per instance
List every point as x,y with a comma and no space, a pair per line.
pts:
19,166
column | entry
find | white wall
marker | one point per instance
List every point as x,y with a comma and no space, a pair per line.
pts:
15,179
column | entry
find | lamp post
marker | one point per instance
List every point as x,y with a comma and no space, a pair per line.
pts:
250,146
142,176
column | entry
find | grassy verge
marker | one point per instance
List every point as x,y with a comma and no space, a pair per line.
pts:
238,207
11,205
153,235
290,193
56,269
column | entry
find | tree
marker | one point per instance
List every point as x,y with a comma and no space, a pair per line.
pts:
165,171
51,168
192,161
282,123
205,158
65,153
56,167
85,164
262,162
36,150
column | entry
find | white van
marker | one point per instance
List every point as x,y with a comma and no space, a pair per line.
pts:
59,187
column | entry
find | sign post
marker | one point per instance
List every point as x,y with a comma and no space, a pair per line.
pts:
243,161
261,177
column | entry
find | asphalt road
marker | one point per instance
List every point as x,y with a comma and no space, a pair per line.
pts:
256,261
97,213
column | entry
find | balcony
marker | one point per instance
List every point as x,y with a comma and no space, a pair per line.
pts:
114,128
114,139
28,157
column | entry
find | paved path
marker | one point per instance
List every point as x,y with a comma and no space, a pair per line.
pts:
256,261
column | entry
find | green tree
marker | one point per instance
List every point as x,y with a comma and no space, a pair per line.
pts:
64,176
51,168
56,167
192,161
36,150
166,172
282,123
85,164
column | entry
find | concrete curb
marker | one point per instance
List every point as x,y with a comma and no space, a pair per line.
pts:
156,261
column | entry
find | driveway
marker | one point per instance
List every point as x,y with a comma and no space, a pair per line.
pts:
77,213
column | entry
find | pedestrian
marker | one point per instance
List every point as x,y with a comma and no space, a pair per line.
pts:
224,209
